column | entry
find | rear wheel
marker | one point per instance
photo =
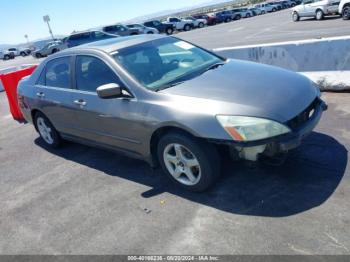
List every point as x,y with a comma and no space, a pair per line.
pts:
169,31
200,25
6,57
38,55
274,9
150,33
47,131
188,162
227,20
319,15
23,54
238,17
54,51
187,27
296,17
346,13
248,15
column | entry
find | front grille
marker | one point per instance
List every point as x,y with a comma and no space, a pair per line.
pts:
304,116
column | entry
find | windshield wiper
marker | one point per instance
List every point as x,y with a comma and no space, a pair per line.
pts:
168,86
214,66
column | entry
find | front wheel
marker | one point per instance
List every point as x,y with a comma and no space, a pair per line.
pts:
200,25
319,15
188,162
38,55
23,54
47,131
274,9
7,57
296,17
346,13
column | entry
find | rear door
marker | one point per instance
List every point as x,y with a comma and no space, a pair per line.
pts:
53,91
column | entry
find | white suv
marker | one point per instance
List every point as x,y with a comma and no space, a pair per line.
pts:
344,9
315,8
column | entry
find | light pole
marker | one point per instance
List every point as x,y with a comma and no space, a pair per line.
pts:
47,20
26,37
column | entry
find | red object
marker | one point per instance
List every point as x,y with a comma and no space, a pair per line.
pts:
10,82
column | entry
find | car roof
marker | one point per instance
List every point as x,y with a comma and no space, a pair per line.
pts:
114,44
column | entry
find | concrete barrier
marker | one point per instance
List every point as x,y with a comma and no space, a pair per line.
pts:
323,60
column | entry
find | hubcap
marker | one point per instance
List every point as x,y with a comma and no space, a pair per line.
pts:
182,164
44,130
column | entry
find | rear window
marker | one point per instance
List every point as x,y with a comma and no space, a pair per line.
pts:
57,73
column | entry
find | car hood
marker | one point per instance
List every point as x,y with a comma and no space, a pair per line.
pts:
249,89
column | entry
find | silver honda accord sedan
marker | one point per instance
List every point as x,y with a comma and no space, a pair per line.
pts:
171,103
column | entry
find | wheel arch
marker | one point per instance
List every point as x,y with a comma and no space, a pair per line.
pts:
162,131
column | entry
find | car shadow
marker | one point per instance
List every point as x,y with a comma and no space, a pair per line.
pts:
307,179
333,17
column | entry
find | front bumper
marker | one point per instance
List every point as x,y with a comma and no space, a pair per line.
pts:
281,144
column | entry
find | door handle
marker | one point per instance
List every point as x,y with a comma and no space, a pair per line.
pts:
80,102
40,94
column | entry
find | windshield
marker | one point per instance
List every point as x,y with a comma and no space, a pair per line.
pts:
160,63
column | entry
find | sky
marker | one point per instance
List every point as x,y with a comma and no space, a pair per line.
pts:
26,16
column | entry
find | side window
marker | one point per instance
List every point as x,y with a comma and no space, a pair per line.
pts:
58,73
92,72
98,35
42,81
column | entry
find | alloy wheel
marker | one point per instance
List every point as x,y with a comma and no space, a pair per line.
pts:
45,131
182,164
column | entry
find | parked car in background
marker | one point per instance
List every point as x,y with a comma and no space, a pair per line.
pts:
167,28
315,8
181,24
225,16
197,22
276,5
120,30
170,103
14,51
87,37
257,11
211,19
25,51
6,55
143,29
49,49
344,9
242,12
268,8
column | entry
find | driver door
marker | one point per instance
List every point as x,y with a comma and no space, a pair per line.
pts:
103,121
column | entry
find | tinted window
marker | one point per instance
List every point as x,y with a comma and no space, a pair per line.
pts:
58,73
92,72
99,35
80,36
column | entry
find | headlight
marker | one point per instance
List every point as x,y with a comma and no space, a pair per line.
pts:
242,128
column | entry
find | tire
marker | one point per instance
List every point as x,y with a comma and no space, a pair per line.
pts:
200,25
346,13
263,12
7,57
295,17
319,15
169,31
293,5
238,17
195,164
23,54
227,20
248,15
187,27
38,55
274,9
47,131
54,51
150,33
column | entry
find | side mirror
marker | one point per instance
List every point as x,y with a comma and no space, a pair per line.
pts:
109,91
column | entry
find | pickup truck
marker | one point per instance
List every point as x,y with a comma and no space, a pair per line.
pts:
344,9
267,7
197,22
167,28
6,55
181,24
